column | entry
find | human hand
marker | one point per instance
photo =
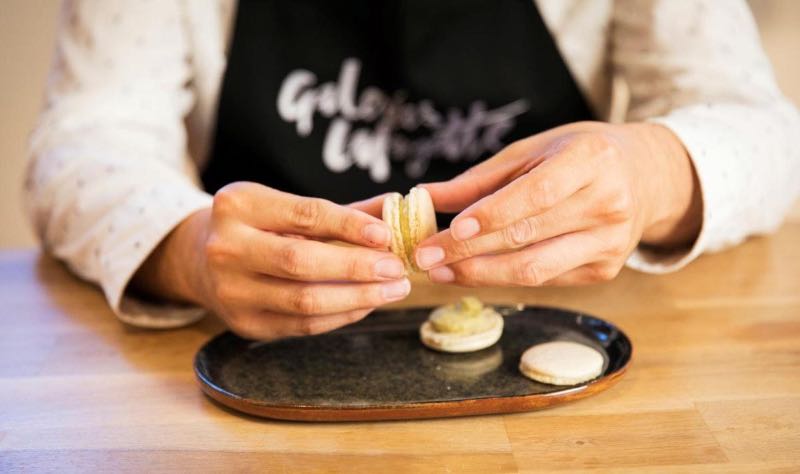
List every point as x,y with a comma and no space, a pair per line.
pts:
564,207
256,259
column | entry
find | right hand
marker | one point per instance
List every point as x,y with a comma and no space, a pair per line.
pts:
256,259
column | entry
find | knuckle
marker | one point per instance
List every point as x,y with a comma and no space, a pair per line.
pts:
619,207
465,273
602,143
355,268
598,148
464,277
292,260
216,251
529,274
616,250
241,324
620,251
227,200
308,327
500,215
611,272
606,272
305,301
351,223
306,213
543,194
253,326
461,249
519,233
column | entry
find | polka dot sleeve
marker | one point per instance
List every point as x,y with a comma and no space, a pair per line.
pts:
107,177
697,67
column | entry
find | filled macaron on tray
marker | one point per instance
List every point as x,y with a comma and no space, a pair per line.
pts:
383,367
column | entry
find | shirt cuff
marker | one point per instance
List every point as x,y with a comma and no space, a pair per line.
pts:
123,257
706,143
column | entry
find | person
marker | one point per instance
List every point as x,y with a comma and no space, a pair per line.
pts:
197,156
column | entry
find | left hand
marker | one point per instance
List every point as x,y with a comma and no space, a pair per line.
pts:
564,207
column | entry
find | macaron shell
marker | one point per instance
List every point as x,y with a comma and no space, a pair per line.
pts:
549,379
561,363
456,343
421,214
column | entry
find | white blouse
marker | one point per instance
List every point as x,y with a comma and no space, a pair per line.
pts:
133,88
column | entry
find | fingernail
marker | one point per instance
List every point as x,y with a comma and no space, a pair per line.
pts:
376,233
390,268
429,256
396,289
466,228
441,275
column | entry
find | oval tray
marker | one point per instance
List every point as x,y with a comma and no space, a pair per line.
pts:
377,369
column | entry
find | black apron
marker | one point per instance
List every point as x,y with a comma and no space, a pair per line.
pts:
347,99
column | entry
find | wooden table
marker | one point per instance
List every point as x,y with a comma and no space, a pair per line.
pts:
715,384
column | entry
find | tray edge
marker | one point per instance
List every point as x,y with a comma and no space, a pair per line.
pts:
411,411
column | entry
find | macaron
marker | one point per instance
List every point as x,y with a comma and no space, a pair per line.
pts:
412,219
561,363
463,327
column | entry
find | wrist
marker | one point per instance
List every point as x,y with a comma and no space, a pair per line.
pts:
172,272
671,188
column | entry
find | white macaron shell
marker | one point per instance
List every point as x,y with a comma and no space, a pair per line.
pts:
562,362
421,215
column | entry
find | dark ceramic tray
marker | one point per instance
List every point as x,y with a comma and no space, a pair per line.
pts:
378,369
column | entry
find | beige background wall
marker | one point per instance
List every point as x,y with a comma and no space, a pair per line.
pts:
26,39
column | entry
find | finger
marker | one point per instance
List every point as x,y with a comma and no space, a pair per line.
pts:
540,189
570,216
484,178
310,260
372,206
458,193
268,326
531,266
271,294
269,209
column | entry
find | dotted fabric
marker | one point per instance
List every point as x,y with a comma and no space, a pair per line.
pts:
133,86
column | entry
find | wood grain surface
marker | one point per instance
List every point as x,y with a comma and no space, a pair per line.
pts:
714,386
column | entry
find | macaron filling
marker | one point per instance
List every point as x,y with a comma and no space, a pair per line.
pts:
412,219
405,232
468,316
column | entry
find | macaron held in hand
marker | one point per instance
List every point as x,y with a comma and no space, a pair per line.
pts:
271,265
412,219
